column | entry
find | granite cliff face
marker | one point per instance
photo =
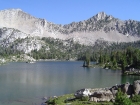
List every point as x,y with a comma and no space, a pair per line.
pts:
15,39
16,24
105,23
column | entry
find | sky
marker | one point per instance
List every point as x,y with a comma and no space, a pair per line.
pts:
67,11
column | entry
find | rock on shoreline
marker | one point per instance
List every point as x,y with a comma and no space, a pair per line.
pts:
108,94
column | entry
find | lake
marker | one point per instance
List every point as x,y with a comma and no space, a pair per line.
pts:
26,84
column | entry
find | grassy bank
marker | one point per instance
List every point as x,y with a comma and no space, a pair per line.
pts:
69,99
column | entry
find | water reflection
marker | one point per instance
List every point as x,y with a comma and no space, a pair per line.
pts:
129,78
87,69
21,81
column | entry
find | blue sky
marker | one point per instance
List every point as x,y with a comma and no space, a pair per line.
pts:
67,11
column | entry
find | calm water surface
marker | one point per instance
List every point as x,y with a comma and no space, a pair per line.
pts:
26,84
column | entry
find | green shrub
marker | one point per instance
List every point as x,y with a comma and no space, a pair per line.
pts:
85,98
54,101
50,101
77,103
122,99
57,101
136,98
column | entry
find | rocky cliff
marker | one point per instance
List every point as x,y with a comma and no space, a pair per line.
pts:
15,39
16,24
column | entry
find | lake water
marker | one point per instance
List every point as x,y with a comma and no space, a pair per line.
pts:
26,84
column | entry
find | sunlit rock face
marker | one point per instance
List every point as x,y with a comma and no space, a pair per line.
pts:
18,40
16,24
136,85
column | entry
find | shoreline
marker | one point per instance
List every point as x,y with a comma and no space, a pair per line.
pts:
96,96
36,60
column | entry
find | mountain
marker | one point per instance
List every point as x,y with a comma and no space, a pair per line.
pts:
16,25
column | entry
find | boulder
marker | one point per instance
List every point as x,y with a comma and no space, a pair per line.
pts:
136,86
109,94
82,93
127,88
102,95
94,99
114,90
